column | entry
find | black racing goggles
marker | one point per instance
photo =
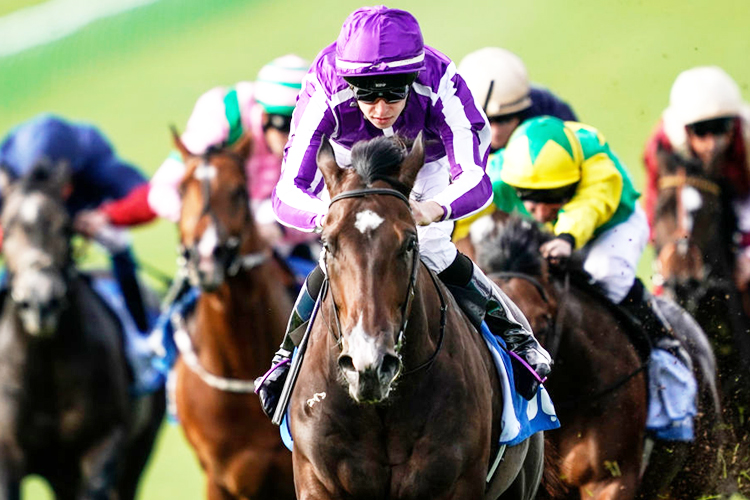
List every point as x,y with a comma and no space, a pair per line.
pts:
717,126
390,94
278,122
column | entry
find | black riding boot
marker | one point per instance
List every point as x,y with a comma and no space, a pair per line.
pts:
481,300
269,386
640,305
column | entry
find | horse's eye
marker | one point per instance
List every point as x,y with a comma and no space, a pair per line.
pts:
239,196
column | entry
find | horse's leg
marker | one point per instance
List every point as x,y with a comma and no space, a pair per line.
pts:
150,411
215,491
530,465
10,488
10,472
100,467
623,487
306,482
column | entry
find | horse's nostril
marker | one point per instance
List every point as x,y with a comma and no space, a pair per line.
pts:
346,363
391,366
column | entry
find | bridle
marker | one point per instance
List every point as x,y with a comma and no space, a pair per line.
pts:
554,342
407,304
231,244
683,234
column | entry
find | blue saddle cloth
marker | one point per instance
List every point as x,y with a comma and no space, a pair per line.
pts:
138,350
520,419
673,394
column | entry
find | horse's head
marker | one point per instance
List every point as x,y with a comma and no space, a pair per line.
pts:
215,221
692,235
507,249
36,245
371,259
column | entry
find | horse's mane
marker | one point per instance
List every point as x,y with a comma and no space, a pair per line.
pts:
380,160
512,246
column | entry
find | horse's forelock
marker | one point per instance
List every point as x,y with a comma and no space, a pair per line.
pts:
380,159
513,246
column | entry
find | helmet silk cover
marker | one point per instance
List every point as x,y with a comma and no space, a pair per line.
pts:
379,41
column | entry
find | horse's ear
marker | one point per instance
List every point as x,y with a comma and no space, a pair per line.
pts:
413,162
179,144
244,146
60,175
326,161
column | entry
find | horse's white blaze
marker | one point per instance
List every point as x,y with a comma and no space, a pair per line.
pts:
208,242
367,220
204,172
362,348
692,201
30,208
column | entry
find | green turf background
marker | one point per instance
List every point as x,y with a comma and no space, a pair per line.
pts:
138,72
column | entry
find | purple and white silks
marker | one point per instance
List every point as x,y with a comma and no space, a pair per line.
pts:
440,105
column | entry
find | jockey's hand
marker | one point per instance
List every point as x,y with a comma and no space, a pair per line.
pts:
426,212
556,249
90,222
742,272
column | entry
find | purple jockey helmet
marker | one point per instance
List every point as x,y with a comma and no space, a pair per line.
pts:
379,41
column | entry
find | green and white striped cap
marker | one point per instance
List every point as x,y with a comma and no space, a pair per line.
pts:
279,83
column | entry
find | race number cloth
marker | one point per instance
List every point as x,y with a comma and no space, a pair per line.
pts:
672,393
520,419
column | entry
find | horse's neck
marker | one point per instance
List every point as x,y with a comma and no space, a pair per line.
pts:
238,327
589,330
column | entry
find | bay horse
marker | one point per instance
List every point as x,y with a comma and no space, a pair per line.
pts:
693,237
65,409
238,323
397,396
599,384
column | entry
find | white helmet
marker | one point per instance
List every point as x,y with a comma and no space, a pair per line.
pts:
497,79
703,93
279,82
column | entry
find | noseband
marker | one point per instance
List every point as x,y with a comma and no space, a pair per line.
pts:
406,307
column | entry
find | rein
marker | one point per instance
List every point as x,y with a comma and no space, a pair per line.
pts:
406,307
554,343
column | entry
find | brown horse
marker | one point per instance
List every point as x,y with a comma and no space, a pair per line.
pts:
599,380
237,325
693,237
397,395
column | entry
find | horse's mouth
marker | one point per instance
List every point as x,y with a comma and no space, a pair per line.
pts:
370,386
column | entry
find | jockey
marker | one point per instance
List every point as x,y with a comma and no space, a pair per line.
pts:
707,124
221,116
98,179
500,84
379,79
568,177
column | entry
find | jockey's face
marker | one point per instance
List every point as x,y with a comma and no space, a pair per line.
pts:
710,139
381,113
502,127
276,132
276,140
543,212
